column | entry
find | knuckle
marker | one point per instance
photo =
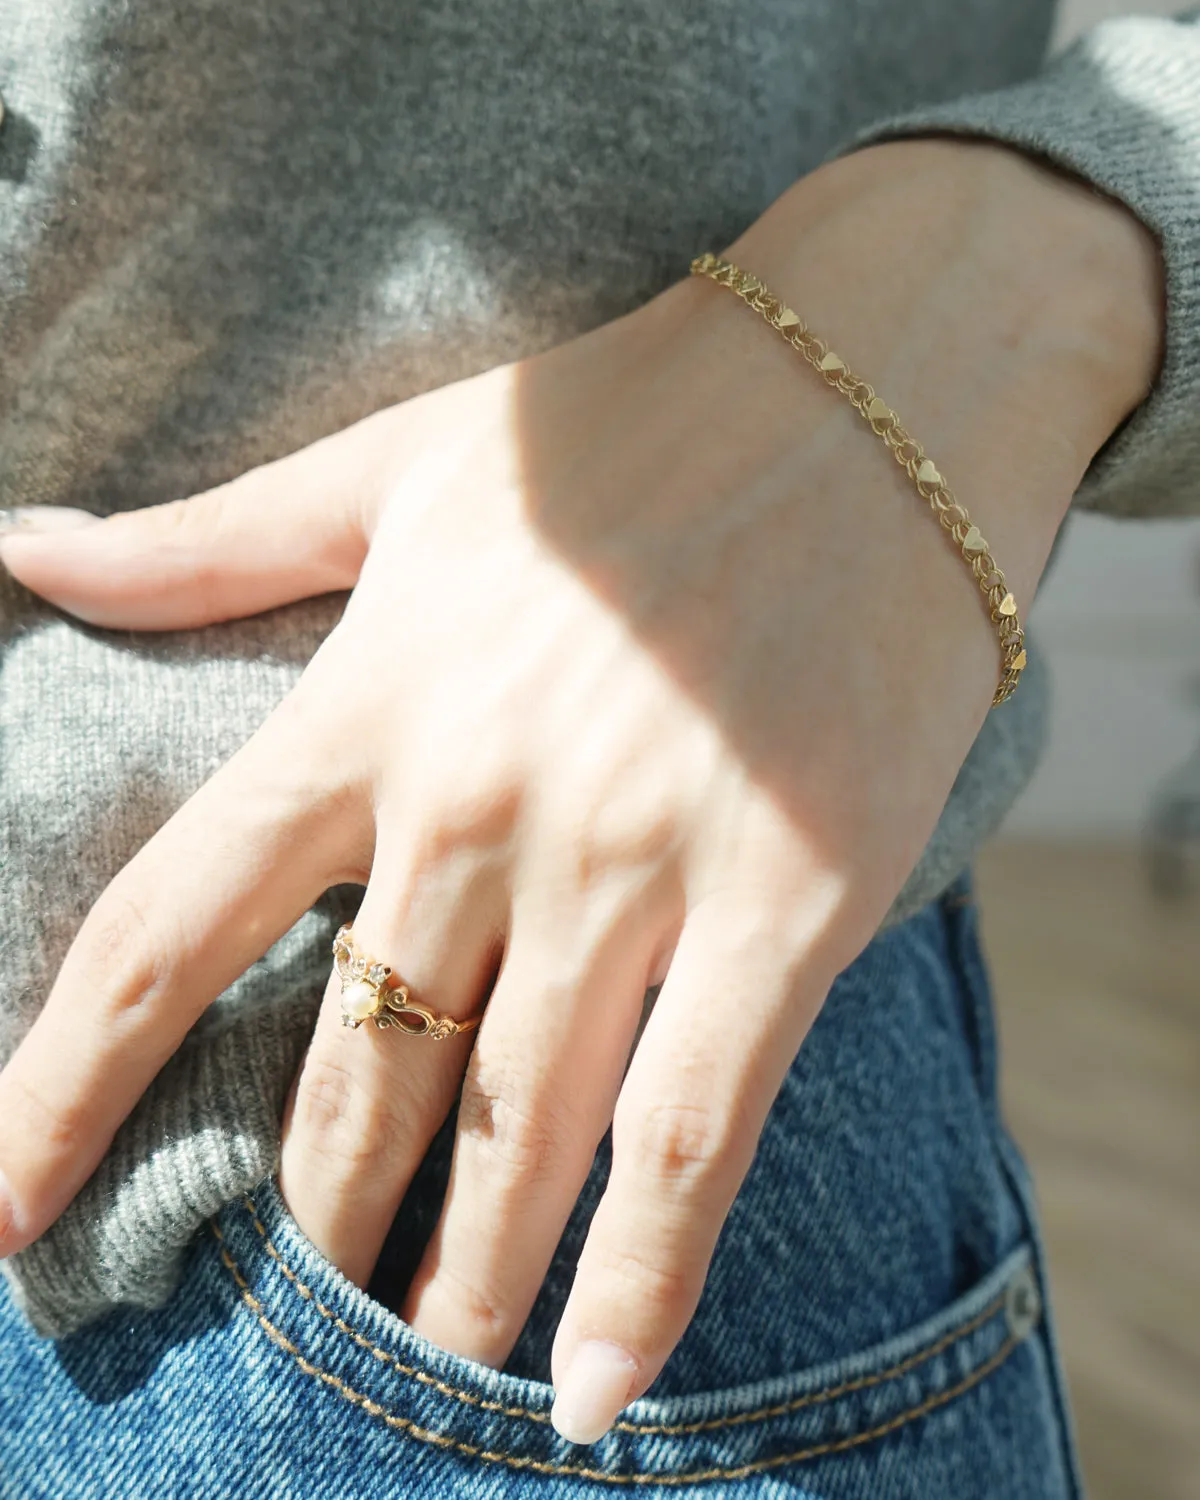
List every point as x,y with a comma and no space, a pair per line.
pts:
666,1293
478,1304
118,958
476,810
58,1124
523,1134
196,520
325,1093
623,832
340,1122
175,518
197,526
195,523
680,1146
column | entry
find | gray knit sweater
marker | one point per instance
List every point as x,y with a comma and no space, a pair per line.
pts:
228,227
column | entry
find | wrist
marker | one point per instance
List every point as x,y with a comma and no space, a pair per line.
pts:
1054,286
1006,313
957,288
1096,272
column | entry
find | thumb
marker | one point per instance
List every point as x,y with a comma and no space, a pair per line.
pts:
285,531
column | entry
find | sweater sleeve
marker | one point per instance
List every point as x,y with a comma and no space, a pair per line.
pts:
1119,108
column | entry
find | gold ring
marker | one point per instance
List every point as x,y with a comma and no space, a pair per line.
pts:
371,992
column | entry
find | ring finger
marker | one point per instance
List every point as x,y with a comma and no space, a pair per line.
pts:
367,1100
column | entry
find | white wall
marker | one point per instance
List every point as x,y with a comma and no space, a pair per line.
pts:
1075,16
1119,621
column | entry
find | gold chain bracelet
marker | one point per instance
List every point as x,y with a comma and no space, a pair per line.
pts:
975,552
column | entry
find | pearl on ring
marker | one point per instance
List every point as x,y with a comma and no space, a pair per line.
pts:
360,1001
368,994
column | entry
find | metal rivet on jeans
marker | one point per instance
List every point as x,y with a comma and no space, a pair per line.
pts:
1022,1303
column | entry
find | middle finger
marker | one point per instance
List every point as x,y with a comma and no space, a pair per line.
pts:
537,1098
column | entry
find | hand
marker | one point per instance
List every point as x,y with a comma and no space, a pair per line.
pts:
653,670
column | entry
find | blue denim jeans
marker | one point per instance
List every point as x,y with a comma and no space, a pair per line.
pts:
874,1323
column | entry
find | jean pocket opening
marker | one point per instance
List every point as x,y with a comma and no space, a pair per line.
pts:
361,1355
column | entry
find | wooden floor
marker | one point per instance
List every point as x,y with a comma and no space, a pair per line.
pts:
1098,993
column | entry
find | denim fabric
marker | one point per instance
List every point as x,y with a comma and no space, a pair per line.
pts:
873,1325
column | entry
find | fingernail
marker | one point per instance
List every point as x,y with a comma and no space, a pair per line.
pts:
36,518
596,1387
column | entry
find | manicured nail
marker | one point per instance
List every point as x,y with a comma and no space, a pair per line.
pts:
596,1387
35,518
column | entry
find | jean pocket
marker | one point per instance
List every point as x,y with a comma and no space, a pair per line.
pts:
348,1367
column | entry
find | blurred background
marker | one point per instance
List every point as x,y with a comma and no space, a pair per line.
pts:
1091,909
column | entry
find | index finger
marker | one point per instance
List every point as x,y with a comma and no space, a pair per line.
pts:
223,879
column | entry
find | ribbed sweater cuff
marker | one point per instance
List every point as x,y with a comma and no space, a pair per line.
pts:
1121,109
206,1131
